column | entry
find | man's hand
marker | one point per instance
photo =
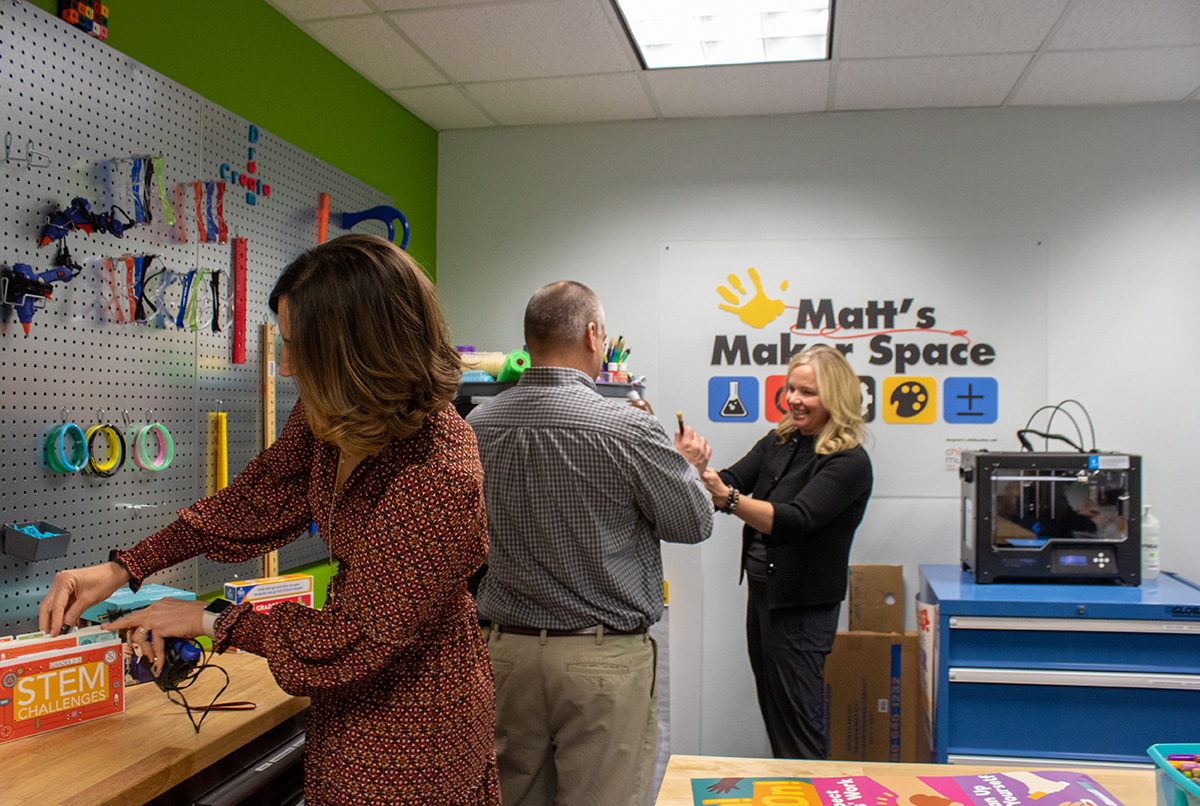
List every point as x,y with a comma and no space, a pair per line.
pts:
693,447
76,590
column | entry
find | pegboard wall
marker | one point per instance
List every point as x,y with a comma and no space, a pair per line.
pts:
69,105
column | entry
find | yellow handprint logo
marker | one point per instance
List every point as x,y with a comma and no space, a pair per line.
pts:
760,310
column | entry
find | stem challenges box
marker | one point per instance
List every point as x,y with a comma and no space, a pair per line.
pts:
46,684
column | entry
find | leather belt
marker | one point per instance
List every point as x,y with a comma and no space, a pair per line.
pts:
561,633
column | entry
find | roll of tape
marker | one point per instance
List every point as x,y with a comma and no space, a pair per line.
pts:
166,447
115,445
487,362
56,448
514,364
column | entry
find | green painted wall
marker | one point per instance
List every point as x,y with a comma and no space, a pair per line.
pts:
247,57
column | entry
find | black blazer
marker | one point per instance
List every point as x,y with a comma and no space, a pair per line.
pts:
819,501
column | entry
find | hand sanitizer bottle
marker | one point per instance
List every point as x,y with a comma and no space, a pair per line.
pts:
1150,562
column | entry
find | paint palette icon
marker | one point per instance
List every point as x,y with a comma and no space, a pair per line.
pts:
909,398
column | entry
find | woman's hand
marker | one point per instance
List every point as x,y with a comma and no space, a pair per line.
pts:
166,618
693,447
716,487
76,590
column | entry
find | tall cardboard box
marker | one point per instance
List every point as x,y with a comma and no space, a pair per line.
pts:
871,705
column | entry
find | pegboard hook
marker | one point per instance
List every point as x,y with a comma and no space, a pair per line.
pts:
9,156
125,418
101,412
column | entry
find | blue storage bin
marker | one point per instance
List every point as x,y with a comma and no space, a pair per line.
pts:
1173,788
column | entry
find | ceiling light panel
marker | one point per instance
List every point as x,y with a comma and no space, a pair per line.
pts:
689,33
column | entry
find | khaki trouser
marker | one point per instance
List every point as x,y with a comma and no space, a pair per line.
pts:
576,718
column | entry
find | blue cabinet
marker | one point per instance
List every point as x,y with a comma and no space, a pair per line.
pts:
1072,672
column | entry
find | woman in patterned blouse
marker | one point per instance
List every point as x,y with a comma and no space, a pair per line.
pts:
400,684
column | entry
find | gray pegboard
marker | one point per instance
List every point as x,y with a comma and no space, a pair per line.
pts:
79,103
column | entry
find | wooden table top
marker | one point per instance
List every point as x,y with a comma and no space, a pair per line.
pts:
1132,787
130,758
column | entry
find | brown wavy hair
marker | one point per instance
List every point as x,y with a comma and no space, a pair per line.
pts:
368,347
840,393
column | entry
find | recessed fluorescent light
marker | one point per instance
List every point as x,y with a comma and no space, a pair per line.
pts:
688,33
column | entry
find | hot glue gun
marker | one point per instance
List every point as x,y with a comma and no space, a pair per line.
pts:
180,657
25,288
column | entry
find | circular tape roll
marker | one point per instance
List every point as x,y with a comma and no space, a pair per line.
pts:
514,364
56,448
141,447
115,444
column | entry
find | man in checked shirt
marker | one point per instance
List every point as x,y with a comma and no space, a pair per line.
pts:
579,491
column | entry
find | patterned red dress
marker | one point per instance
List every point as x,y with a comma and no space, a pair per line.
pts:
402,701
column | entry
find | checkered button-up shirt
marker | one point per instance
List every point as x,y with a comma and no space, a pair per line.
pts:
579,491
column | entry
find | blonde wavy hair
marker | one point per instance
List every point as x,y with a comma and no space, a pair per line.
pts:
841,395
368,345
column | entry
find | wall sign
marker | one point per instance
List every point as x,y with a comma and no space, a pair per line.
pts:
947,337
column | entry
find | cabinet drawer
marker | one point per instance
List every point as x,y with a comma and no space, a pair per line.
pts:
1038,713
1160,646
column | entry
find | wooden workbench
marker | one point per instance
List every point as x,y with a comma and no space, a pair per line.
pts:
131,758
1130,786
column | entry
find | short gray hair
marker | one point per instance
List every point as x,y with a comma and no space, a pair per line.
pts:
558,315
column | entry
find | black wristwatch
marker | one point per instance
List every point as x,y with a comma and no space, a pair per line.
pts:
215,608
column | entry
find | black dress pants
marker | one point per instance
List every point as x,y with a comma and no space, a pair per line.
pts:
787,653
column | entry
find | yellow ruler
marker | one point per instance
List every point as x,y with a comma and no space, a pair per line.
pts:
267,351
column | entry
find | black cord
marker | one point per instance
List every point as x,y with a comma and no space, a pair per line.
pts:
1091,426
1048,436
239,705
1025,442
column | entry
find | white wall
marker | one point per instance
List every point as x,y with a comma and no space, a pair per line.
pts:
1115,192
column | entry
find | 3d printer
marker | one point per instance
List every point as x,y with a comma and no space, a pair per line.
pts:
1058,517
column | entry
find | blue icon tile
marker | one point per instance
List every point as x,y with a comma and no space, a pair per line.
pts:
733,399
970,400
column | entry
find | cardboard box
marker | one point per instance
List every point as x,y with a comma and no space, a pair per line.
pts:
872,710
267,592
46,684
876,598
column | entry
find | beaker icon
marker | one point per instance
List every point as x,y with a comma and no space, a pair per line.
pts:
733,404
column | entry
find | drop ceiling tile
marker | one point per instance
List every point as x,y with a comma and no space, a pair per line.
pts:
519,40
317,9
1112,77
1095,24
442,107
871,28
930,83
569,99
745,89
376,51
